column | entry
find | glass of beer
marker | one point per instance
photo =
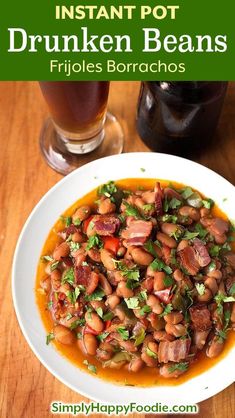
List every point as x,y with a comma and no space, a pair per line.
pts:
80,129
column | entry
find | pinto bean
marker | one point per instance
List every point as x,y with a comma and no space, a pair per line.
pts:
78,237
211,283
98,304
45,284
56,279
106,206
183,244
156,321
141,256
204,212
215,347
123,291
112,301
220,239
178,275
163,336
166,240
174,318
192,213
104,283
170,229
94,321
127,345
63,335
107,259
206,297
121,251
136,365
90,344
94,254
148,360
81,213
155,304
93,283
148,197
61,251
105,351
165,371
147,284
158,281
216,274
178,330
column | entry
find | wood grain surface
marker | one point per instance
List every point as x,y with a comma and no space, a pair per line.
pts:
26,387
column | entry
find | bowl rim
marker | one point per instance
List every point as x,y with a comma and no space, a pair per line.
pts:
43,199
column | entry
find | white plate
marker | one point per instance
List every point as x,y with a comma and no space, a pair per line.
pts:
34,234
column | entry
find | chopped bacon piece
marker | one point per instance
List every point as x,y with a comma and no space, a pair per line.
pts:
137,232
106,225
164,295
158,199
82,275
216,226
188,259
201,318
173,350
202,255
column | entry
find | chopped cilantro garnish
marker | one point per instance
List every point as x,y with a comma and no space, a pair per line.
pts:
108,316
46,258
49,338
142,296
124,333
169,218
202,232
132,274
200,288
74,246
168,308
168,281
79,335
232,290
159,265
77,222
178,366
151,353
211,266
132,303
102,337
69,316
222,334
99,311
73,295
148,207
208,203
174,203
132,211
68,276
50,304
54,265
214,250
220,299
142,169
140,337
90,366
186,192
149,246
190,235
145,309
78,323
67,220
107,189
98,294
94,241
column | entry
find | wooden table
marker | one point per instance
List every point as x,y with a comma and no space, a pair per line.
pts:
26,387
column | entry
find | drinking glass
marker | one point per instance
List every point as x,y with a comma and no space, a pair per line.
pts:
79,129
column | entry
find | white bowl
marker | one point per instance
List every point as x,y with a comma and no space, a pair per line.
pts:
33,236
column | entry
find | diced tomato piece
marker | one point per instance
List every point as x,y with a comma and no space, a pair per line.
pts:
89,330
111,244
86,223
164,295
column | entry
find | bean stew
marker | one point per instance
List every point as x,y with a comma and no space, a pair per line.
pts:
136,283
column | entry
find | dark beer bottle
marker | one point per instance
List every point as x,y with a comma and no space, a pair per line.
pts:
179,117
